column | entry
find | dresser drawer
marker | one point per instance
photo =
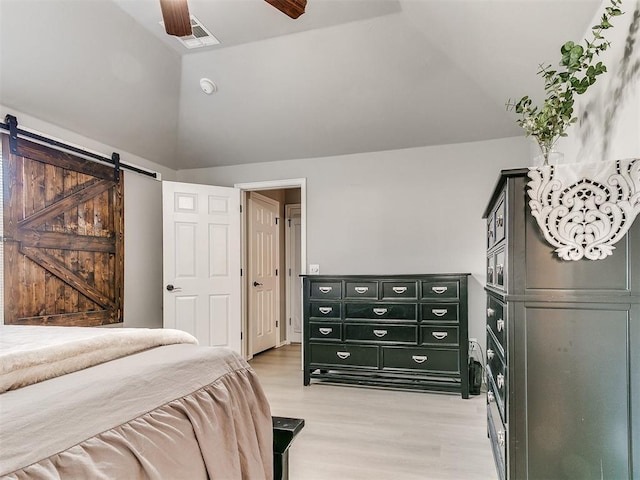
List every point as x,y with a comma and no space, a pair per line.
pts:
423,359
391,290
499,268
439,335
387,311
497,321
494,398
496,224
362,332
500,221
325,331
491,277
496,265
445,289
324,290
344,355
491,231
440,312
361,290
329,310
497,381
498,437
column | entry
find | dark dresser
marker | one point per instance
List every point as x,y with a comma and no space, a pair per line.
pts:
563,350
406,331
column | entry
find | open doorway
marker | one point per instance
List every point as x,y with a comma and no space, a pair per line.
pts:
288,259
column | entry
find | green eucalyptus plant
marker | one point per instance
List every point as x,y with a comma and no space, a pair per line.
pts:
576,72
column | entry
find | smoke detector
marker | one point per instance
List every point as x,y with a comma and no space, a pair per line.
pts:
208,86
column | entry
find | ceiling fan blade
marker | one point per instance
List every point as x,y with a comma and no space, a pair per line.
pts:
175,14
293,8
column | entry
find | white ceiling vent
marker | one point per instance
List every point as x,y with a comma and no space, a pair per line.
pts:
200,37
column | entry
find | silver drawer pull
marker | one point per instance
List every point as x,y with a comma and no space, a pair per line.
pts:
500,325
361,289
500,380
325,289
380,333
490,354
439,312
500,221
419,358
439,290
380,311
325,331
499,269
490,397
440,335
325,310
501,438
343,355
489,270
399,290
490,312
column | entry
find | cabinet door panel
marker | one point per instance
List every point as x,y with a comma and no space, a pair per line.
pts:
544,270
577,368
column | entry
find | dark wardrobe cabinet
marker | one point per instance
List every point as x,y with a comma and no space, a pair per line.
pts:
563,350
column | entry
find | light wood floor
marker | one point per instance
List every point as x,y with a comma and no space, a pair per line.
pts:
354,433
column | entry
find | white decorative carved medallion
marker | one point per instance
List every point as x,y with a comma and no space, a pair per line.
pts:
584,209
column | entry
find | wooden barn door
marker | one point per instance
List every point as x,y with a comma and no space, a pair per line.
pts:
63,227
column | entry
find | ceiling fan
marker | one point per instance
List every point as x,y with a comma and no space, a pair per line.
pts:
175,14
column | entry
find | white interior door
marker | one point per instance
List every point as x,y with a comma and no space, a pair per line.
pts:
264,304
294,268
201,262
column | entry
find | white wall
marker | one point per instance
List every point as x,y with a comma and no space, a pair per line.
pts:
404,211
608,113
142,219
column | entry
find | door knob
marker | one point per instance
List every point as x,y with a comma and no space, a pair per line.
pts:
256,284
171,288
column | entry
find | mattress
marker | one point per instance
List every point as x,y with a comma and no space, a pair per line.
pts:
171,411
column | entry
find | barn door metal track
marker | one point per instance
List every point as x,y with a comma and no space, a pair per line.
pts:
11,126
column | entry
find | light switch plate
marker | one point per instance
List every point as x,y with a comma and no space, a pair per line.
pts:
314,269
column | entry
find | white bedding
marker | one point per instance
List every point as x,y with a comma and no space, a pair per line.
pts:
175,411
32,354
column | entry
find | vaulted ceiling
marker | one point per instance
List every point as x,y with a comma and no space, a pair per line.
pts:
348,76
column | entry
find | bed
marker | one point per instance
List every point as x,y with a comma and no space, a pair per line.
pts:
128,403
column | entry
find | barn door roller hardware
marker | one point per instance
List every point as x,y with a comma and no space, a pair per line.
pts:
13,133
11,124
115,158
